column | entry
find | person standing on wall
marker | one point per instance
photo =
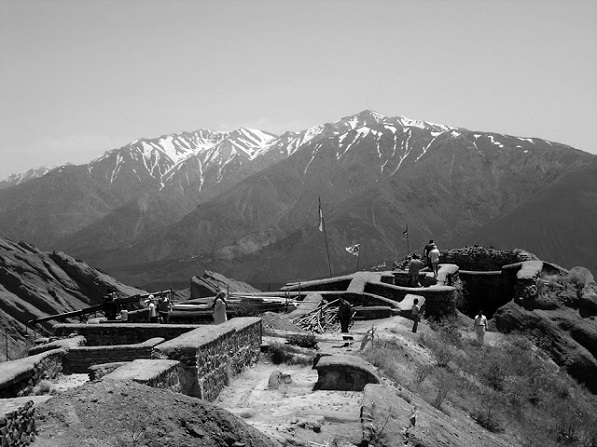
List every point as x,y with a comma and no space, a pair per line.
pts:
480,327
426,251
344,314
415,312
164,309
434,259
219,308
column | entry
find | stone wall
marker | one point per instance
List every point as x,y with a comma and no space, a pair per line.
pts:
19,377
122,333
80,358
211,355
155,373
17,423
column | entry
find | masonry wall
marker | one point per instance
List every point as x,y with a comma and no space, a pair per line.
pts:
211,355
79,359
17,425
19,377
109,334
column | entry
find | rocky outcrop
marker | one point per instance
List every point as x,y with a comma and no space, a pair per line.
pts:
210,283
561,319
35,284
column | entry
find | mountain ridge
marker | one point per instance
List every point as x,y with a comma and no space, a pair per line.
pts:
375,174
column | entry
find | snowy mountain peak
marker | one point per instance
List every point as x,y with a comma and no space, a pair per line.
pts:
408,122
22,177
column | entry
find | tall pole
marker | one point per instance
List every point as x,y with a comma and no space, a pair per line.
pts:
358,256
327,249
325,235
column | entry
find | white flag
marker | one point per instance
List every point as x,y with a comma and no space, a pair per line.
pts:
353,249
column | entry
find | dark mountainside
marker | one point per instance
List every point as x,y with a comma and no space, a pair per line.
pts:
244,203
265,228
36,284
559,223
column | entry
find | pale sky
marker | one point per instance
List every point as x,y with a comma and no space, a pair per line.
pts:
79,77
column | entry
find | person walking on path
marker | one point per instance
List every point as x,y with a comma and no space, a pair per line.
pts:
434,259
426,251
164,308
415,311
413,270
480,327
219,308
344,314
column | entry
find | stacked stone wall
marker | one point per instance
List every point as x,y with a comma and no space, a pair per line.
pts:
211,355
19,377
80,359
110,334
17,425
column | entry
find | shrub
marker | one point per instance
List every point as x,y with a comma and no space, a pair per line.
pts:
280,353
421,373
444,382
302,340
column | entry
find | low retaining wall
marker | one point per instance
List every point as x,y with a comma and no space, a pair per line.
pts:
63,343
211,355
19,377
155,373
80,358
108,334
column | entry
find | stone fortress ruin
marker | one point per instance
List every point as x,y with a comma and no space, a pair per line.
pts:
199,360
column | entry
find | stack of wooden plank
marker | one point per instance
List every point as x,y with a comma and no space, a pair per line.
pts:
322,319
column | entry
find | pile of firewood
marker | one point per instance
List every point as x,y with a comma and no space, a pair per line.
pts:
322,319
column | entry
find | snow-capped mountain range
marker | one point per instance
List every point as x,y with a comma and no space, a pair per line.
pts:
230,197
163,157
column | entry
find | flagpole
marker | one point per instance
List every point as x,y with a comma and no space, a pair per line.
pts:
358,256
325,235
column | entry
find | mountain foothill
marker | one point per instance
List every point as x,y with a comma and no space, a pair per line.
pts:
245,203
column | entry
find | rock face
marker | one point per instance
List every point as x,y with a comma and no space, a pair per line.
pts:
140,415
36,284
210,283
562,320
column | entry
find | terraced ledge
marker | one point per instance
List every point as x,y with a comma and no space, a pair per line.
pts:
23,374
154,373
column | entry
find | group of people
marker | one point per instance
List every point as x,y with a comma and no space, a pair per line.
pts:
159,309
431,256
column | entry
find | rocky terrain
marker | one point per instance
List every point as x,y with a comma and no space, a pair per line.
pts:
513,391
36,284
129,414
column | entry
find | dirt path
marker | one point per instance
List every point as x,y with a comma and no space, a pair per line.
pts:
294,414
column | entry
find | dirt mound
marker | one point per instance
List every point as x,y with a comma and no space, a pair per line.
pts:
126,413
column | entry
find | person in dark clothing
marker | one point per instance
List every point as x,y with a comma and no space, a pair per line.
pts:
344,314
111,306
415,311
426,251
164,309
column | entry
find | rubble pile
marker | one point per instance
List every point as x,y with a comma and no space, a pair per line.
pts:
322,319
